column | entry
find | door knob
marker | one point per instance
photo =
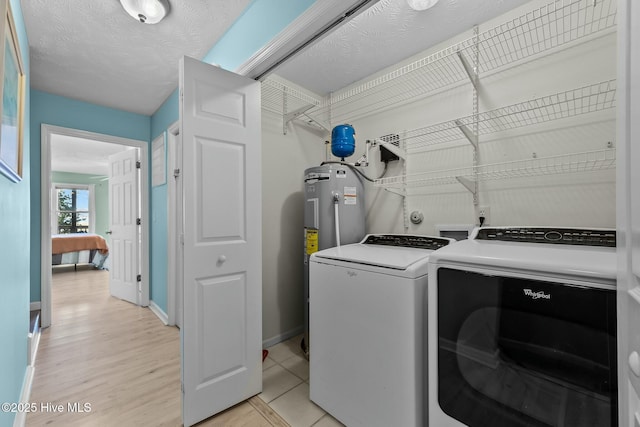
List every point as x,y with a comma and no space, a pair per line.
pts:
221,259
108,232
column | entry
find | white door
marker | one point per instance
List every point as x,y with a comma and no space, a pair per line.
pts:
628,212
124,256
220,123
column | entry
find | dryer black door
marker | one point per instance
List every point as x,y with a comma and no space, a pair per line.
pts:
518,352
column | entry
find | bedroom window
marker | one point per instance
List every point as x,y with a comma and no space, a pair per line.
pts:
73,209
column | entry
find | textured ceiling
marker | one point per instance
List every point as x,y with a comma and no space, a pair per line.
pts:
79,155
93,51
385,34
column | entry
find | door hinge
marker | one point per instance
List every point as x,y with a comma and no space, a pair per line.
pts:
176,173
138,221
139,278
138,165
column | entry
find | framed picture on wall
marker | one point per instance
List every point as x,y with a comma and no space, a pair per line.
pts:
12,107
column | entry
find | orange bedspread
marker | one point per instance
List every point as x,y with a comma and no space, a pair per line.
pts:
63,243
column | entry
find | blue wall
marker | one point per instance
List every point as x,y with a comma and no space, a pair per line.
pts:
65,112
258,25
14,257
164,117
262,21
158,256
20,202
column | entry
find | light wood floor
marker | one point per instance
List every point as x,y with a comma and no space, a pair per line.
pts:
118,358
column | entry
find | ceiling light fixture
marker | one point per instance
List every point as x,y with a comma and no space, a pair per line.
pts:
146,11
421,4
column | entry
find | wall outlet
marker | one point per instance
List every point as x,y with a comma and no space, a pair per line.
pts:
485,212
416,217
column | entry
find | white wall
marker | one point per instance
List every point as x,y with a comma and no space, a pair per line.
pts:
284,159
581,199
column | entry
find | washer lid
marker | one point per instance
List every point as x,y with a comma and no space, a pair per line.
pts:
580,262
394,257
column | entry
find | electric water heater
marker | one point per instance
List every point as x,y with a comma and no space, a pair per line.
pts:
334,214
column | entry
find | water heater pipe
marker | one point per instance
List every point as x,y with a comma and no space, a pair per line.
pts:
364,160
336,203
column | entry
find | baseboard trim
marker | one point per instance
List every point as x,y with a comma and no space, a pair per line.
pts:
282,337
159,312
35,305
21,416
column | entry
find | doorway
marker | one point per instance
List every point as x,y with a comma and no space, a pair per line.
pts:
49,133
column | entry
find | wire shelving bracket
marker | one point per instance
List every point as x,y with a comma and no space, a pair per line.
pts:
571,103
543,29
470,70
289,102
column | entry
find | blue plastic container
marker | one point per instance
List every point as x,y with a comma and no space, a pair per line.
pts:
343,142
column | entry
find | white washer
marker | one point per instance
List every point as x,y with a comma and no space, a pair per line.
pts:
367,313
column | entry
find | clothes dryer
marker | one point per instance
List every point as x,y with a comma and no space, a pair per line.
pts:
522,329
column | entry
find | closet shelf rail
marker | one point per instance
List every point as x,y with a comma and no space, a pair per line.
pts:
575,102
585,161
554,25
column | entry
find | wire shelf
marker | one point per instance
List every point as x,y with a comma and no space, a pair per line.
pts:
586,161
553,25
421,77
587,99
423,179
283,98
560,164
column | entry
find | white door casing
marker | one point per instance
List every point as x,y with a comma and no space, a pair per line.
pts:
47,133
628,212
220,124
123,227
174,222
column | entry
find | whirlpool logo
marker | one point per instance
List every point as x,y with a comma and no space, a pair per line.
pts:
536,295
351,273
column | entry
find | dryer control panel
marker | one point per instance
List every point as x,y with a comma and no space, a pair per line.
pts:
406,240
563,236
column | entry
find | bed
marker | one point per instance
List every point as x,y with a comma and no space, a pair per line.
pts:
80,248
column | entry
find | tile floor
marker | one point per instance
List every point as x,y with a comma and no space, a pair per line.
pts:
285,386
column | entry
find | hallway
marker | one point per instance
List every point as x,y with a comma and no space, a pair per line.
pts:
116,361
